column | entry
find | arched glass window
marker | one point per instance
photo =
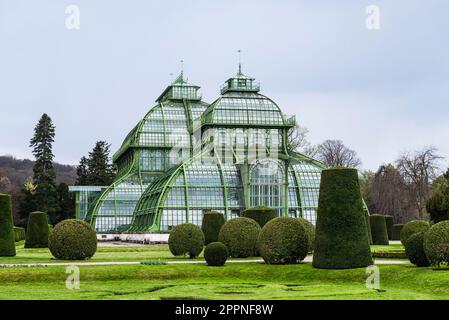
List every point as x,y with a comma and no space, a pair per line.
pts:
267,185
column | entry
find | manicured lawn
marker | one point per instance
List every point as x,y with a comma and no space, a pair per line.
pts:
233,281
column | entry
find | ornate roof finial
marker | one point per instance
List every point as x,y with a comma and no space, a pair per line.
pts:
240,61
182,69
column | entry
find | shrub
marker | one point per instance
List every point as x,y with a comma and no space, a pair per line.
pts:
260,214
389,223
212,223
50,228
396,233
341,239
283,240
436,243
19,234
368,226
240,237
413,227
72,239
186,239
414,249
7,244
310,230
216,254
37,230
378,229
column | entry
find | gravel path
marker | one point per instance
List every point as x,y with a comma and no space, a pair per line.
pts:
109,263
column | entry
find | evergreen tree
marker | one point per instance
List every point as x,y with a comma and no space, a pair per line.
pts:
101,172
96,170
66,202
42,141
82,172
43,195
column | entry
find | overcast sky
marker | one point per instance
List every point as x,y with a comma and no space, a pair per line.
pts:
382,91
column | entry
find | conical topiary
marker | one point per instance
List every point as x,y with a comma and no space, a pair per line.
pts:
37,230
389,222
211,225
378,229
341,239
7,243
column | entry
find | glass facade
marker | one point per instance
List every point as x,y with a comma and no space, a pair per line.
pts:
186,157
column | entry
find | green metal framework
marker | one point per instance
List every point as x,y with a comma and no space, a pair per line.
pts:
243,160
148,152
186,157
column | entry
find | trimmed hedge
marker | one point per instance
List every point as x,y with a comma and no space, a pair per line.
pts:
211,225
389,222
414,249
436,243
216,254
341,239
368,226
397,228
7,243
413,227
310,230
260,214
186,239
240,237
37,230
19,234
72,239
378,229
283,240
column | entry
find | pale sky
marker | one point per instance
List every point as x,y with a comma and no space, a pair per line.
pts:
382,91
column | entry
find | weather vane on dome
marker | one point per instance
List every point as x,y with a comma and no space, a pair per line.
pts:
240,60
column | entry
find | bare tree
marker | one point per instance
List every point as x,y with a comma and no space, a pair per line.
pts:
334,153
297,141
419,169
389,194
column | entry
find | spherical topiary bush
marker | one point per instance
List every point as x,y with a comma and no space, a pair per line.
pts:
216,254
186,239
7,243
260,214
212,223
72,239
413,227
310,230
436,243
414,249
389,222
378,229
341,239
37,230
396,234
240,237
283,240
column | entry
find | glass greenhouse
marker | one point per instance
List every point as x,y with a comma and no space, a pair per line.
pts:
186,157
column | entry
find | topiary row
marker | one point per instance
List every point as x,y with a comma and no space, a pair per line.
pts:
396,233
260,214
7,243
37,230
378,229
19,234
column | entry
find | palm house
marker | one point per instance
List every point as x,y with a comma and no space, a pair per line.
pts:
186,157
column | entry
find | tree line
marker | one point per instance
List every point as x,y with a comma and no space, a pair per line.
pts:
412,187
41,192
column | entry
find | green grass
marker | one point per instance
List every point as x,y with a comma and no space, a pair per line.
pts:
233,281
392,251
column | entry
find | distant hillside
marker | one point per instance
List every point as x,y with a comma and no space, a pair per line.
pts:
18,171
